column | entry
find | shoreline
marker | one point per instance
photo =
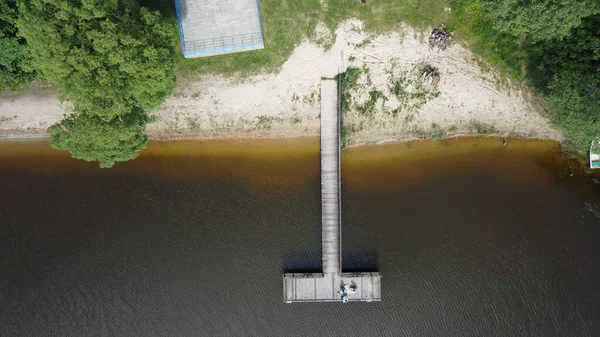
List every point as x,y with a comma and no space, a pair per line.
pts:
470,100
568,154
39,136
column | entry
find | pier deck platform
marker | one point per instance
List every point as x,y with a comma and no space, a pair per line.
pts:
318,287
324,287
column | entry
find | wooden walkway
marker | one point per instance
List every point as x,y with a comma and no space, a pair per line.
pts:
330,186
324,287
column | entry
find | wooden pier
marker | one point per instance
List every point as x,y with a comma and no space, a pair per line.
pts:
324,287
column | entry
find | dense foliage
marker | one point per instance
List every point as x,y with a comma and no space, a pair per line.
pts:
113,60
12,49
541,20
568,72
90,138
555,44
105,57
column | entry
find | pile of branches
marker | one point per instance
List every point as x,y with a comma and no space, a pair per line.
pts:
440,38
430,75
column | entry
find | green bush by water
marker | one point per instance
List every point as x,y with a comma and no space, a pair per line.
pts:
553,45
348,81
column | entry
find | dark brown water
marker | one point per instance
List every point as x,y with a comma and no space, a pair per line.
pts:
473,239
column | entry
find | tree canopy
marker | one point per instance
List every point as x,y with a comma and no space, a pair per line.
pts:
555,44
542,20
90,138
112,59
105,57
12,49
573,89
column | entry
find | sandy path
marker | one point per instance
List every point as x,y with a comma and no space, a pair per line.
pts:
287,104
29,114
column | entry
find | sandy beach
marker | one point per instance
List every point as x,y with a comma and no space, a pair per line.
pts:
469,98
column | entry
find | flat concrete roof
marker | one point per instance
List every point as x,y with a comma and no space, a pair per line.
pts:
214,27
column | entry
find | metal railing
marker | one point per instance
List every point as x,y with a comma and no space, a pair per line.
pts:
339,162
224,44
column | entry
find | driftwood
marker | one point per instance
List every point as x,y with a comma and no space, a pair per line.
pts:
431,75
440,38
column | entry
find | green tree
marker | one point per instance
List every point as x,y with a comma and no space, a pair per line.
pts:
106,57
557,44
573,91
542,20
579,50
92,139
573,99
12,49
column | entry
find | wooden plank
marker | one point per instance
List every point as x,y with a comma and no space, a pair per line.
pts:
330,177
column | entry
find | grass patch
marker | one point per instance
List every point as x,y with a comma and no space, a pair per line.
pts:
286,23
6,119
501,50
399,87
349,82
193,123
437,132
482,128
265,122
283,31
407,88
368,109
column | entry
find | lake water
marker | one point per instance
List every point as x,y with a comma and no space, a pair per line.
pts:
472,238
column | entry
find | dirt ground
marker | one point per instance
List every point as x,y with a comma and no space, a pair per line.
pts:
389,102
